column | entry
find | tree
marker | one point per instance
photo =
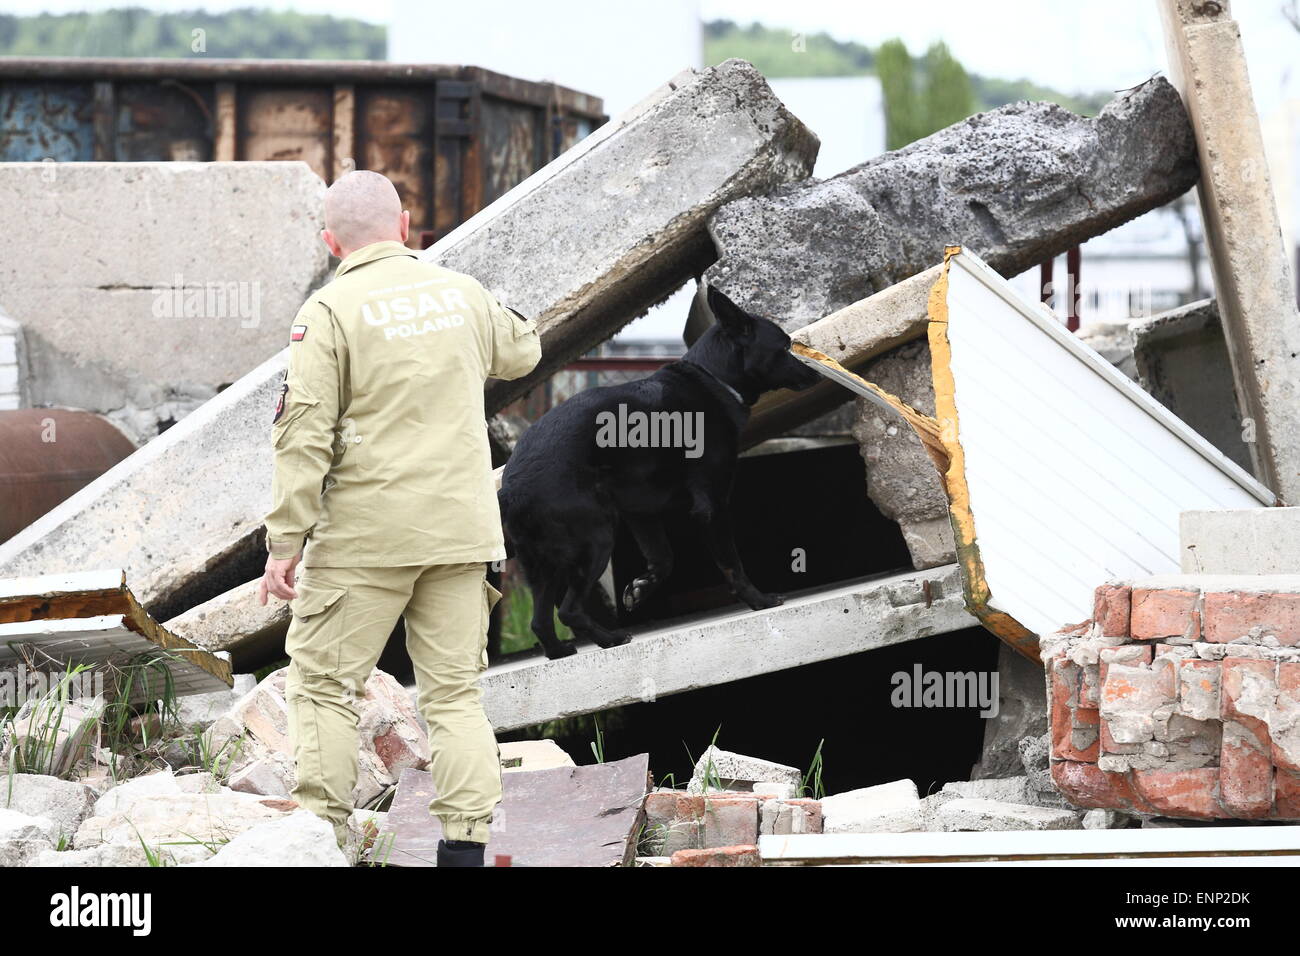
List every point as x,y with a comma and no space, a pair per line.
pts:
896,70
948,95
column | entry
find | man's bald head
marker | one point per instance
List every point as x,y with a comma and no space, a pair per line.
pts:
362,207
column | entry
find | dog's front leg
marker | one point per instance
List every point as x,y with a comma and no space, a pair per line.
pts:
716,520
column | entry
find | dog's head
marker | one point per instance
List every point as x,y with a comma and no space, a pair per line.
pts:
750,351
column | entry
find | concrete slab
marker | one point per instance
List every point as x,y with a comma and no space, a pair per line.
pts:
1241,541
1252,274
617,223
142,288
727,646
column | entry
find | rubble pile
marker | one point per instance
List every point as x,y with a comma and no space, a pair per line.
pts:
1181,698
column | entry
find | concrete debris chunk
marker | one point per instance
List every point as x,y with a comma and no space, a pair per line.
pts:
64,803
718,769
975,814
649,180
1017,185
299,839
886,808
219,257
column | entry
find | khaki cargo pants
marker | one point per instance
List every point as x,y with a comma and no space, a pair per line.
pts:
341,620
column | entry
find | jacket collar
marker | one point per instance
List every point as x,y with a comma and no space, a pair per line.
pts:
372,253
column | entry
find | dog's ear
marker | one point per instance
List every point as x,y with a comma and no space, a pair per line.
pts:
735,321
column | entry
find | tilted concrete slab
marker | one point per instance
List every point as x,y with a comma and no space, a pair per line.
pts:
582,245
142,288
1017,185
614,225
1252,274
728,646
234,622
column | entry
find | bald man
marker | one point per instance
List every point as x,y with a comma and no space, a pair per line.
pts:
383,490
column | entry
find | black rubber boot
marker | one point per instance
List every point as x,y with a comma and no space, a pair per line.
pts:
459,853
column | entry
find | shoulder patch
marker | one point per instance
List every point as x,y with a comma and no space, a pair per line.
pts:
297,333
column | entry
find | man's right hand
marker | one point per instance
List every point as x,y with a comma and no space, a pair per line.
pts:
278,578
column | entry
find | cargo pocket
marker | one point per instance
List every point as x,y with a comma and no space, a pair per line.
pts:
490,597
312,642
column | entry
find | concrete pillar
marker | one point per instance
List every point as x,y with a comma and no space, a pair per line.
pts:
1252,277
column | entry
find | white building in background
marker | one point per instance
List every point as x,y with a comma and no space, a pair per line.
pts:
617,51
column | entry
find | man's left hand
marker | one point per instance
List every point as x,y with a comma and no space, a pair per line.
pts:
278,578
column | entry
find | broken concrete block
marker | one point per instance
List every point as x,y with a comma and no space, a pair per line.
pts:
779,791
122,798
886,808
1104,820
299,839
722,770
1181,358
1240,541
583,246
50,737
237,623
1022,713
64,803
1003,789
221,255
201,710
779,817
521,755
900,477
1017,185
182,819
23,837
618,222
974,814
113,854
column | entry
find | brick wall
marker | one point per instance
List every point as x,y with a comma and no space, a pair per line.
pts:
1181,697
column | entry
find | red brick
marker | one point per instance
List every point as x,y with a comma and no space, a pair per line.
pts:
1087,785
718,856
1287,804
1110,609
1163,613
1198,690
1246,760
1180,793
730,821
1065,679
660,807
1286,725
1233,614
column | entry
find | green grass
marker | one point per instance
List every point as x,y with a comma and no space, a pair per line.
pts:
516,615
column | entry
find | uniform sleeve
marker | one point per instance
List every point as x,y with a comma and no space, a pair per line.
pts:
516,347
303,430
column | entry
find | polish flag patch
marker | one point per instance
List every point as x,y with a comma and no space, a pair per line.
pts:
297,333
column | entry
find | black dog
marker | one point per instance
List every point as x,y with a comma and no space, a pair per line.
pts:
584,466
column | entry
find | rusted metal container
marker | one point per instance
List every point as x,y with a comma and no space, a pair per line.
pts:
46,456
452,138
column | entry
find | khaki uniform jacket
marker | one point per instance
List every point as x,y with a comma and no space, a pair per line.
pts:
381,447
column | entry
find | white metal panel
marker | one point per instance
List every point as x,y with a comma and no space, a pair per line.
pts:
1076,476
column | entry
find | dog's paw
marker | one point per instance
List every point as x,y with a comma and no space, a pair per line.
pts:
760,601
563,649
614,639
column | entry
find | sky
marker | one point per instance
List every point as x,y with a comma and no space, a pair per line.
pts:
1085,46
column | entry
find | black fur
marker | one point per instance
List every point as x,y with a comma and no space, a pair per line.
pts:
562,495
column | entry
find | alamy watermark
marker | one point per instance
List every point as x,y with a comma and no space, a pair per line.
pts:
957,689
637,429
209,300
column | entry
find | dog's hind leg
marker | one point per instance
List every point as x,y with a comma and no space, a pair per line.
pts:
658,553
583,580
546,589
